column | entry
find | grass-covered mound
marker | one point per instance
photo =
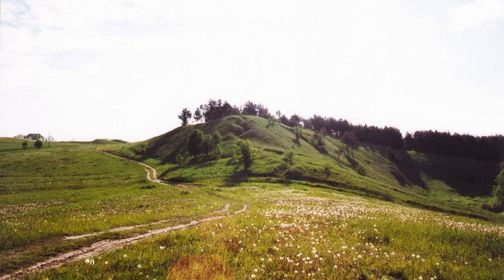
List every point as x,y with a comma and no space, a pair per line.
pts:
450,183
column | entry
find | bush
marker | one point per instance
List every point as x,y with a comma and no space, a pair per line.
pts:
289,158
246,154
298,132
25,144
180,159
281,168
194,145
319,141
497,203
327,171
295,172
38,144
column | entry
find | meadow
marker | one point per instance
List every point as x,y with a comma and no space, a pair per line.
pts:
72,196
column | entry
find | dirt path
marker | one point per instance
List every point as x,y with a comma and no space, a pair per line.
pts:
106,246
110,245
151,172
125,228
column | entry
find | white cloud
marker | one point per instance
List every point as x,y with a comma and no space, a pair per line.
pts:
110,67
477,13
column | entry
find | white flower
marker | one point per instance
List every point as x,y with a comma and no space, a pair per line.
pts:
139,266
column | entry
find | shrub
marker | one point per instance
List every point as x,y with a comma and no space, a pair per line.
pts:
295,172
246,154
497,203
25,144
271,122
38,144
350,140
327,171
194,144
281,168
289,158
298,132
180,158
319,141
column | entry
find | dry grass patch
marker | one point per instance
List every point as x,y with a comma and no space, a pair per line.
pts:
200,268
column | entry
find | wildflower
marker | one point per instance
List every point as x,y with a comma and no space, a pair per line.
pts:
253,276
139,266
162,247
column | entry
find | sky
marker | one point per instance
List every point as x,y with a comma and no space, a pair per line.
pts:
80,70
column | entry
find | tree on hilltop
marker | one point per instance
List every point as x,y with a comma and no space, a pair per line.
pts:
185,116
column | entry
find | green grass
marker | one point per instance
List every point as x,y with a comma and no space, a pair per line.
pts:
297,232
452,184
73,188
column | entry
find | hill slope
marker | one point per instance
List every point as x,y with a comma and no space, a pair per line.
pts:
454,184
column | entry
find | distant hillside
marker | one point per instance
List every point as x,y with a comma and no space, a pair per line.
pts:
434,181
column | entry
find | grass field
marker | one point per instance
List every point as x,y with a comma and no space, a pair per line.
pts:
315,227
73,189
297,232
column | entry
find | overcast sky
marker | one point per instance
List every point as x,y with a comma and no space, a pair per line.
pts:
124,68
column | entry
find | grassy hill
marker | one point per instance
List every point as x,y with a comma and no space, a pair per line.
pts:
454,184
72,196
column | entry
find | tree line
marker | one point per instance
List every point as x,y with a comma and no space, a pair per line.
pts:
486,148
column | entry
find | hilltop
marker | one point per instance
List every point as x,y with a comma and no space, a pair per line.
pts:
450,183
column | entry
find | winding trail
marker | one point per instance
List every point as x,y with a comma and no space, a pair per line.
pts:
107,245
125,228
151,172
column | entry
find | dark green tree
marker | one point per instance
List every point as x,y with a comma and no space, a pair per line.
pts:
194,144
217,145
350,140
38,144
250,108
246,154
271,122
318,140
185,116
289,158
327,171
207,145
25,144
298,132
198,115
